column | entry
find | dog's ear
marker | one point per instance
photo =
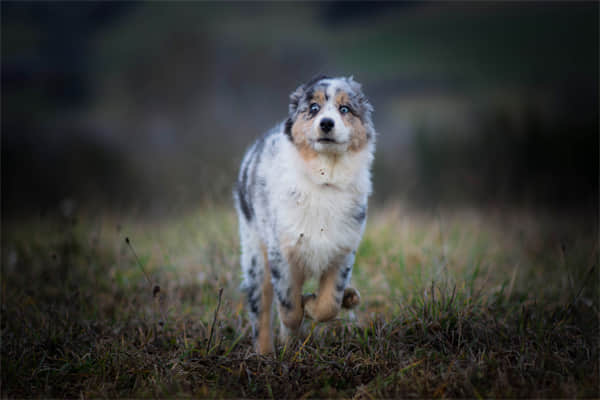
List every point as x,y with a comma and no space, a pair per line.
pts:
365,109
301,91
361,100
295,98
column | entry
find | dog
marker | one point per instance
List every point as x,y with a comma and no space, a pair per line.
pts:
301,199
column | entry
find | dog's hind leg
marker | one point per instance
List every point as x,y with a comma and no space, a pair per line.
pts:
265,336
259,291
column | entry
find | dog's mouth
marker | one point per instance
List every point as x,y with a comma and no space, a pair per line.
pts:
326,140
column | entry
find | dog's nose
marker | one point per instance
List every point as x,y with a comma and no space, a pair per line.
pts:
327,124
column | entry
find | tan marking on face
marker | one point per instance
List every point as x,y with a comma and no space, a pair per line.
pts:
319,97
265,338
342,99
300,130
358,137
302,126
324,306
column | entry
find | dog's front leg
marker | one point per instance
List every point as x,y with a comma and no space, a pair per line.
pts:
287,278
333,293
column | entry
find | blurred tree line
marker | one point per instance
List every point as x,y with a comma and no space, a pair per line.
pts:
151,105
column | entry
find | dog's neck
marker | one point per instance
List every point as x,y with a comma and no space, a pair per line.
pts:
339,170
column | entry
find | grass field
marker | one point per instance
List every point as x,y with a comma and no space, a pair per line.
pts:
454,304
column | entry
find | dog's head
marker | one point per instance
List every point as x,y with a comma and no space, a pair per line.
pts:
330,115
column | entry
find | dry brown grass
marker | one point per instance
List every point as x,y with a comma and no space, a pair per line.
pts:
455,304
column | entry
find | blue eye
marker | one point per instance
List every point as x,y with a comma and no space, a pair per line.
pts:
314,108
344,109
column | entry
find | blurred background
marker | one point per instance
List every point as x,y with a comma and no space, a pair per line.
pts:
149,106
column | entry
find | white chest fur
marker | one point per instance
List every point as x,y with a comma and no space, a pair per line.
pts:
316,203
320,225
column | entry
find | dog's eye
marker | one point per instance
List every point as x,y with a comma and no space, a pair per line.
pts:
344,109
314,108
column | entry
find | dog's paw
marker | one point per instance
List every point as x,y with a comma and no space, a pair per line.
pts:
288,336
307,298
308,303
351,298
264,346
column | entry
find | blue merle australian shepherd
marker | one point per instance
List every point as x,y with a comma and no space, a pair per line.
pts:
301,197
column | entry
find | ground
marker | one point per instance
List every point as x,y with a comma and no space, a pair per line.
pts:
466,303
